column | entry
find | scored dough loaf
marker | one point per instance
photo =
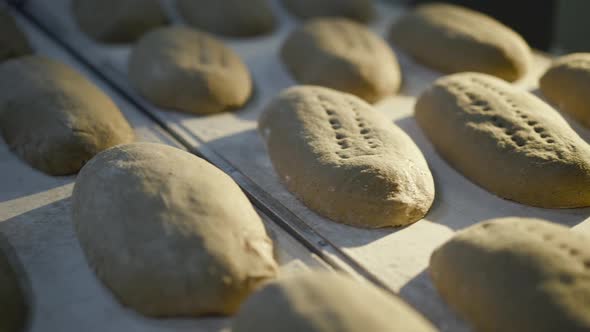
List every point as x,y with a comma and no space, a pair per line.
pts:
14,309
344,160
358,10
13,42
189,71
118,21
516,275
53,117
344,55
453,39
567,84
326,302
506,140
169,233
234,18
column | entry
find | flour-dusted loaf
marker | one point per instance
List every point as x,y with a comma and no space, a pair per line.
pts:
14,310
118,21
567,85
506,140
516,275
233,18
453,39
190,71
359,10
326,302
53,117
13,42
344,55
345,160
169,233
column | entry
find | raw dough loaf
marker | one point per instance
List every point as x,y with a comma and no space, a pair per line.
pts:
454,39
359,10
13,42
567,84
344,55
169,233
189,71
345,160
516,275
53,117
326,302
506,140
118,21
234,18
13,305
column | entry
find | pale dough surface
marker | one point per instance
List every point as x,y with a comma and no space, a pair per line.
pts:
53,117
326,302
344,160
506,140
168,233
453,39
190,71
344,55
515,275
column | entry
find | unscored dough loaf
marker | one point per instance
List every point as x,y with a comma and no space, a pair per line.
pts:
14,310
234,18
516,275
344,160
53,117
13,42
169,233
453,39
359,10
344,55
506,140
567,84
326,302
190,71
118,21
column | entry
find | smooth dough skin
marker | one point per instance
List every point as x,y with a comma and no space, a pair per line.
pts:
506,140
344,160
118,21
53,117
567,85
233,18
455,39
14,310
169,233
326,302
344,55
189,71
516,275
358,10
13,42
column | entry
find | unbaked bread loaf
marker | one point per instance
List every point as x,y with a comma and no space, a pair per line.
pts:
53,117
344,55
14,311
118,21
233,18
344,160
13,42
169,233
190,71
567,85
326,302
506,140
516,275
453,39
359,10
